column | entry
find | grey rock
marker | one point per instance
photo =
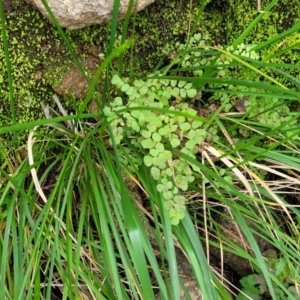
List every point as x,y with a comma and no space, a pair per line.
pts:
74,14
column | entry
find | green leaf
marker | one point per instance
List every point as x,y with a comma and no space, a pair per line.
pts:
195,168
228,179
182,182
250,282
187,152
148,160
175,142
173,83
168,204
181,84
156,137
227,107
163,188
190,144
147,143
187,170
173,128
176,163
164,180
191,111
146,134
169,184
118,101
183,93
191,134
130,91
165,82
116,79
179,199
168,195
180,119
183,106
185,126
153,152
200,135
165,118
175,217
156,121
155,161
138,83
125,87
188,86
169,172
161,164
142,119
136,127
196,124
179,207
155,172
175,92
167,95
151,127
135,113
160,147
281,268
166,154
151,82
132,124
143,90
222,172
190,178
107,111
164,130
162,157
201,132
191,93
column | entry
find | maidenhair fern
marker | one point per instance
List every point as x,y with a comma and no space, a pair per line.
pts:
264,109
152,114
162,136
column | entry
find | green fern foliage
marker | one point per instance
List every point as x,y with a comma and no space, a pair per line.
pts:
163,136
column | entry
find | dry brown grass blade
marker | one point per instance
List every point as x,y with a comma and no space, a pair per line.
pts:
239,174
37,185
229,164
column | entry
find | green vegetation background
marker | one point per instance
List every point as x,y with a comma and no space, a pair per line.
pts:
37,49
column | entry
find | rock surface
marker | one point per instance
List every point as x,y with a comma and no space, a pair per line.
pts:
74,14
74,83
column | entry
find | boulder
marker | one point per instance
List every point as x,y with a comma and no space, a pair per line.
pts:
74,14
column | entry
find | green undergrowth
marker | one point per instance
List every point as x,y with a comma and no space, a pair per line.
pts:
161,134
40,58
207,130
171,125
254,285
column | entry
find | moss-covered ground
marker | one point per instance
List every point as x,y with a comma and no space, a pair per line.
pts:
40,59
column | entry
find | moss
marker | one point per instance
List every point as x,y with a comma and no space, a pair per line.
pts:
165,22
40,59
31,43
239,14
